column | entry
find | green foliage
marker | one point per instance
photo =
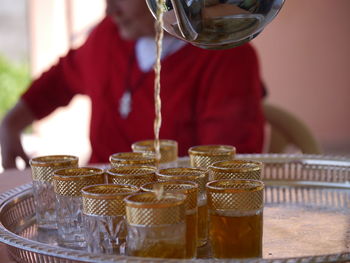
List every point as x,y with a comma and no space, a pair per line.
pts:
14,79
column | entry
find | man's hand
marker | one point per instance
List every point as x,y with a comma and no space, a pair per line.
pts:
19,117
11,148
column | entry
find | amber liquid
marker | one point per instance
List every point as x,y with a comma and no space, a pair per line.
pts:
161,249
191,235
236,236
157,68
202,225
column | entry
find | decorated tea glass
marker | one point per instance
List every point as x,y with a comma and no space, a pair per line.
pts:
190,190
156,225
235,169
199,176
205,155
68,184
44,196
168,150
104,217
134,175
236,218
132,159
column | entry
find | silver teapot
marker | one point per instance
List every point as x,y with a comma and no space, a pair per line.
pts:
216,24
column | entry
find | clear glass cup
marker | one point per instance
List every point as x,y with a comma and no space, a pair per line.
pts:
132,159
156,225
235,169
134,175
104,217
68,184
205,155
199,176
44,196
190,190
236,218
168,150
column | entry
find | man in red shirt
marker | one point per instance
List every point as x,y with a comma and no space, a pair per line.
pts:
208,97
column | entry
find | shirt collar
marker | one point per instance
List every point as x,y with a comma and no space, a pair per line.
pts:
146,50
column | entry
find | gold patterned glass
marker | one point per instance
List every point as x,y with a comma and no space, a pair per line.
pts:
134,175
104,217
42,168
199,176
132,159
205,155
68,184
168,150
235,169
190,190
236,218
156,225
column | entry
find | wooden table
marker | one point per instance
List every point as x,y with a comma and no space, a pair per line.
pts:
8,180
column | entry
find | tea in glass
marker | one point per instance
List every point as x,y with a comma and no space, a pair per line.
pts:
202,224
236,236
156,225
190,190
199,176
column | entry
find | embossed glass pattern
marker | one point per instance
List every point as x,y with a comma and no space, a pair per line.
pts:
199,176
42,168
104,217
68,184
236,218
190,189
205,155
235,169
168,150
156,225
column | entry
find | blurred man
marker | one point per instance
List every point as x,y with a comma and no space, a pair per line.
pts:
208,97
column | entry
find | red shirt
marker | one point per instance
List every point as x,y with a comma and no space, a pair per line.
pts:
208,97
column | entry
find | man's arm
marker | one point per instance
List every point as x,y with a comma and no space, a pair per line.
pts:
11,127
55,88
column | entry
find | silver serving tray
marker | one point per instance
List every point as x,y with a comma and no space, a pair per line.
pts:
306,216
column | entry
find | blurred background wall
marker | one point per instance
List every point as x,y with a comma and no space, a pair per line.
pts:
305,57
304,54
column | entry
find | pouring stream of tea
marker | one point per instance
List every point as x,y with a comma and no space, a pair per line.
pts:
157,68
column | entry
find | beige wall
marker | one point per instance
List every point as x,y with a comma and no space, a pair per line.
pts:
55,25
305,57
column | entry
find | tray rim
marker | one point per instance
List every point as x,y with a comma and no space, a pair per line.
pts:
11,239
